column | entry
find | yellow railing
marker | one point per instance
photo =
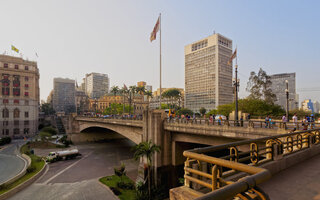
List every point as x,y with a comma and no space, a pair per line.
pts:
238,174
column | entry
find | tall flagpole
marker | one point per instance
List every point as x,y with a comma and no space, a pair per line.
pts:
160,60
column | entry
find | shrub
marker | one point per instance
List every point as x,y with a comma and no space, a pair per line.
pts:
115,190
5,140
128,186
31,169
50,130
120,171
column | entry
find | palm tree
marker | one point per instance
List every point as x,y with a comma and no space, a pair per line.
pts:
124,90
149,94
115,90
132,90
146,149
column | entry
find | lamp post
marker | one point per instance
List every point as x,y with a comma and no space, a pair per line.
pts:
236,90
287,104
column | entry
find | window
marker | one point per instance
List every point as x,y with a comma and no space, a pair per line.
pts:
26,102
26,67
26,122
5,91
5,113
26,114
16,122
16,131
5,123
5,65
5,101
26,78
16,101
26,85
16,113
5,132
26,131
26,94
16,91
16,66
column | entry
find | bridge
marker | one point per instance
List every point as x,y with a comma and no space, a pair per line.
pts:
178,136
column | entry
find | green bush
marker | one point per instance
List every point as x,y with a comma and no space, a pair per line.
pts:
5,140
31,169
115,190
127,186
50,130
120,171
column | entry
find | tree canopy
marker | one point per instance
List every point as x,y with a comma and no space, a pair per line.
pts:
259,86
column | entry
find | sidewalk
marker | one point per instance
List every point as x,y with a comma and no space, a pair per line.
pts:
300,182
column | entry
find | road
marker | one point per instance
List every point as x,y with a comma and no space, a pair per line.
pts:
78,178
10,163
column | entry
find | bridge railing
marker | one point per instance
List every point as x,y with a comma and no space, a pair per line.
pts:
125,117
236,173
247,123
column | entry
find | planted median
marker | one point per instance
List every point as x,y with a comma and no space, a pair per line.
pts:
36,165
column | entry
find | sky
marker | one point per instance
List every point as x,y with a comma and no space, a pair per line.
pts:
76,37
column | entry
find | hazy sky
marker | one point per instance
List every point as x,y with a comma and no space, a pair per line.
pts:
73,38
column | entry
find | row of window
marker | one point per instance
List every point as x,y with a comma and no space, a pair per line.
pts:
16,123
15,92
16,131
15,101
16,113
6,65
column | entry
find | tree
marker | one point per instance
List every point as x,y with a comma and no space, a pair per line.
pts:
146,149
202,111
259,86
184,111
149,94
172,94
115,90
225,109
47,109
45,136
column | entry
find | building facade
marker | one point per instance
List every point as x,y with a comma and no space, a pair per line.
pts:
19,97
138,102
307,105
96,85
63,99
155,100
278,87
208,76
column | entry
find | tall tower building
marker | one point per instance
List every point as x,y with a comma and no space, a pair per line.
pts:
97,84
208,77
278,87
19,97
64,95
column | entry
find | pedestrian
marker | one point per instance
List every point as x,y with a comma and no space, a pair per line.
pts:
305,123
220,120
270,122
194,117
241,121
248,117
267,121
312,122
295,120
284,121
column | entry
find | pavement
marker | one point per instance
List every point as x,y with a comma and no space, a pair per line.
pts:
79,178
10,163
299,182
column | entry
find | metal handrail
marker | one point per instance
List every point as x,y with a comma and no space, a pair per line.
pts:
273,148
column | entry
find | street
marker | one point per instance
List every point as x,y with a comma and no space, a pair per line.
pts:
78,178
10,163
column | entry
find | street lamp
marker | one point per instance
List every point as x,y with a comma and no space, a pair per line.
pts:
236,90
287,104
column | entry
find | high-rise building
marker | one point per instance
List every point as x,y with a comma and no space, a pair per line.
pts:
19,97
208,77
64,95
278,87
97,84
307,105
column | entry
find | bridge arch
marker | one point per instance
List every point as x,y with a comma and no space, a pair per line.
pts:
132,133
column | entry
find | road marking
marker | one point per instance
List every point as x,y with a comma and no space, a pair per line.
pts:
50,179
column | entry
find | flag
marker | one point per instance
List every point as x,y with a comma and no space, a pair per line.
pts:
233,56
37,55
13,48
125,87
153,35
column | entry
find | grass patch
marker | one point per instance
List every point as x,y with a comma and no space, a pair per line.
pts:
44,145
112,182
36,165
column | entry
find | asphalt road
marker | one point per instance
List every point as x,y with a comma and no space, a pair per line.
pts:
79,178
10,163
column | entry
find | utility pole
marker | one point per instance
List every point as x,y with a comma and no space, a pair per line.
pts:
287,104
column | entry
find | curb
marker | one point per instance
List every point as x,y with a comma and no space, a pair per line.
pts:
107,187
23,185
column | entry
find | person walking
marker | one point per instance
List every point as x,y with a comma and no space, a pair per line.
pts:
305,123
267,121
295,120
284,121
241,121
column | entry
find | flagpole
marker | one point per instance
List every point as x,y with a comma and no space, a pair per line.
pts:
236,103
160,61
